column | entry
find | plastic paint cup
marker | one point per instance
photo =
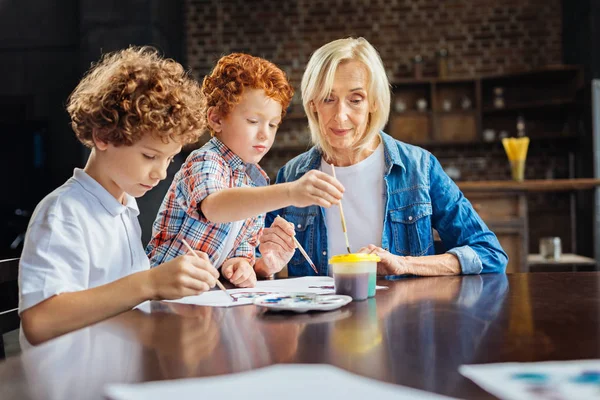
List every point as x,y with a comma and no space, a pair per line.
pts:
355,274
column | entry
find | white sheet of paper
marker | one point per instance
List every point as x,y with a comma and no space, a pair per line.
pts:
556,380
307,284
282,381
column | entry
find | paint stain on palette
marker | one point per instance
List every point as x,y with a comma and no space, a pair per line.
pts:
302,302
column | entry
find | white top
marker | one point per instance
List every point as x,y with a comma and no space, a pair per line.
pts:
363,204
236,226
79,237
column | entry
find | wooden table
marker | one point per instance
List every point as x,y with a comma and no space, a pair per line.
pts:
416,333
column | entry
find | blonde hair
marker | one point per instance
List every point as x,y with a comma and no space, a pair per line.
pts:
317,83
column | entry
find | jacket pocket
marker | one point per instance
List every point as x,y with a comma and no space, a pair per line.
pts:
411,227
305,231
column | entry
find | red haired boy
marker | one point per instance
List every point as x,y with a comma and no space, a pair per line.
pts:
218,199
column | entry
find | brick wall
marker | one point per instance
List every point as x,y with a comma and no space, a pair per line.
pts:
482,37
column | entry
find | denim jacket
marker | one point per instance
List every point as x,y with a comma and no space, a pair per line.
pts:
420,196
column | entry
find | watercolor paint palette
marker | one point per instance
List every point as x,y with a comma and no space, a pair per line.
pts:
302,302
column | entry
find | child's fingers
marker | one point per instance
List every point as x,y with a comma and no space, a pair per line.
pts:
192,286
204,264
323,177
248,283
324,198
202,255
328,189
240,275
203,275
227,271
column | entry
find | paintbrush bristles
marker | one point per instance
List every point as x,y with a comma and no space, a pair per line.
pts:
342,216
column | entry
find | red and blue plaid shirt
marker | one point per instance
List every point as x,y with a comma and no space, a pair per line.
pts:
211,168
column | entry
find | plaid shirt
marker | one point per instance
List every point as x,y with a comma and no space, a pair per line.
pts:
207,170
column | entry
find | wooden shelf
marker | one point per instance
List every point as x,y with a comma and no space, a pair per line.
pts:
508,75
456,112
537,71
537,185
529,105
495,142
411,113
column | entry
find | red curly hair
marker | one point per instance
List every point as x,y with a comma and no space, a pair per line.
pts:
133,92
224,87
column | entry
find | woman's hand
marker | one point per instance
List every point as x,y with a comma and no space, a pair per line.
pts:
315,187
276,247
390,264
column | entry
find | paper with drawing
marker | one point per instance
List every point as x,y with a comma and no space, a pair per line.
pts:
558,380
307,284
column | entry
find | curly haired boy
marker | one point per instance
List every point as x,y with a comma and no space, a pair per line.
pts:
218,199
83,260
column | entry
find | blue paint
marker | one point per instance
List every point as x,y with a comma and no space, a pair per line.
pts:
531,377
587,377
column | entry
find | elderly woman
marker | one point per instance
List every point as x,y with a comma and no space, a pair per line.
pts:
395,193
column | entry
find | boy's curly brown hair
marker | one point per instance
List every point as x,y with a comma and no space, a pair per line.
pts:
133,92
224,87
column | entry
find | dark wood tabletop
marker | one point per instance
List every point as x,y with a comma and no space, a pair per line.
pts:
417,333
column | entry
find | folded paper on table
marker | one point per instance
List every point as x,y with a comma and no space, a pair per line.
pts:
283,381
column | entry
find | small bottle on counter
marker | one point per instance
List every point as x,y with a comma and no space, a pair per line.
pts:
520,126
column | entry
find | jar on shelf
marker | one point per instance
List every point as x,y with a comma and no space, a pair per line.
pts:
442,59
447,105
499,97
399,105
465,103
418,66
520,126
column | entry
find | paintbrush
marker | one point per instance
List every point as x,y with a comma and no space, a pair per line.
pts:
299,246
305,255
343,219
198,257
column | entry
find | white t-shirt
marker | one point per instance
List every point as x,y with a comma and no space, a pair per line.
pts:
363,204
79,237
229,241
